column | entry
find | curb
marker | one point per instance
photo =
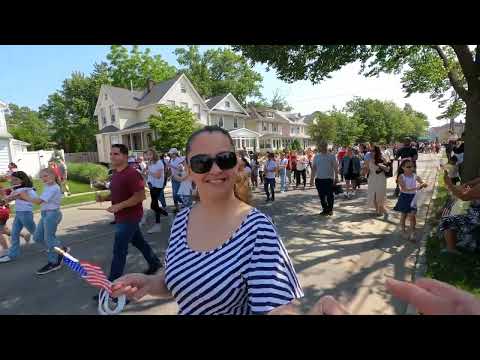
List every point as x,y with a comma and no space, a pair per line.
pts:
420,267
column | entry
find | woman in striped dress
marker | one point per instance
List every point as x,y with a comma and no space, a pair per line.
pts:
224,256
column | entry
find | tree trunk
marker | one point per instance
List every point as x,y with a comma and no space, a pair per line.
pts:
471,165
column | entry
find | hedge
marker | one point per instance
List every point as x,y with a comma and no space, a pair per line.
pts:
87,172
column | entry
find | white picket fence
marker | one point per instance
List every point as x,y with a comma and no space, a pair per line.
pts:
31,162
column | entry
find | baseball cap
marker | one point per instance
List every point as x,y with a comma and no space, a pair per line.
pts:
173,151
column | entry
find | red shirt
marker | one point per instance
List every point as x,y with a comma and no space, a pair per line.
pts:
341,155
57,172
123,185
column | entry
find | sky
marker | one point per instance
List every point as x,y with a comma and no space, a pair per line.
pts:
29,73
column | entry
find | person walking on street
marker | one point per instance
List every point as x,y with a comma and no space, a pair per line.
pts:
325,169
378,166
261,169
289,168
156,184
302,163
64,178
255,166
127,192
175,161
406,152
340,156
271,171
351,171
283,172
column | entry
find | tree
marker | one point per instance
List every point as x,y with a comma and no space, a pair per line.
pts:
173,126
25,124
323,128
137,67
433,69
279,102
69,113
219,71
348,129
295,145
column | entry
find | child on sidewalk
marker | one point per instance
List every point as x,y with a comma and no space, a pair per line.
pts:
50,218
23,212
453,172
406,204
185,190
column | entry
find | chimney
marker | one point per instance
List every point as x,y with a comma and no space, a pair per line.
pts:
150,85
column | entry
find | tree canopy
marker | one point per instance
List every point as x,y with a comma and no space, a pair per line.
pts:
173,125
26,125
448,72
219,71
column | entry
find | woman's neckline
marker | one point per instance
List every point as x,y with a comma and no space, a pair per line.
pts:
222,245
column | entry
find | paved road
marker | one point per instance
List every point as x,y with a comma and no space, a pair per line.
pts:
347,255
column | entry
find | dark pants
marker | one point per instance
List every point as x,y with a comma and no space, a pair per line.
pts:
271,183
261,174
254,180
303,174
155,194
325,192
124,234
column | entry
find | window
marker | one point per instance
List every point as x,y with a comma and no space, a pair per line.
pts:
104,117
227,104
171,102
235,123
183,89
196,110
274,128
264,126
184,105
112,114
269,114
106,96
220,121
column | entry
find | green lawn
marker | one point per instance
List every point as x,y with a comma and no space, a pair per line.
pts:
75,186
461,271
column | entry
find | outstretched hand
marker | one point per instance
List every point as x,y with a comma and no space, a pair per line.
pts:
133,286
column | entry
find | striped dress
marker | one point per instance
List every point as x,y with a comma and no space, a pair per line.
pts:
251,273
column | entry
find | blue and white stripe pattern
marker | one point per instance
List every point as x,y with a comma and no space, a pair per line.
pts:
251,273
75,266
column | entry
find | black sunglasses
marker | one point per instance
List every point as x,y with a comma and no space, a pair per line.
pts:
202,164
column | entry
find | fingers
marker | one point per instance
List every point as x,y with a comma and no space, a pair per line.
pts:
424,301
442,289
327,305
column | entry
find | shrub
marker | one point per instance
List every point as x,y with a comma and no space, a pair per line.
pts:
87,172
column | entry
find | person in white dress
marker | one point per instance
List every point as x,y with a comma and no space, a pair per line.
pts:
377,181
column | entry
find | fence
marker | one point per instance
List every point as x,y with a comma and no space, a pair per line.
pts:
32,162
81,157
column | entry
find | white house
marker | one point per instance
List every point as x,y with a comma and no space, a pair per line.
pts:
10,148
277,128
228,113
123,114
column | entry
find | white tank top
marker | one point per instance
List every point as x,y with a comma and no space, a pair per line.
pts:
410,182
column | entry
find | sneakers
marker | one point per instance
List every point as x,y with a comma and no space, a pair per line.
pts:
329,213
152,269
49,268
346,195
154,229
324,213
163,212
5,259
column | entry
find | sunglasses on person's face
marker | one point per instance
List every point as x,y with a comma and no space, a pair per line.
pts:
202,164
408,167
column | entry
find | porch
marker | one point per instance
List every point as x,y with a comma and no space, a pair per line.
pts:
245,139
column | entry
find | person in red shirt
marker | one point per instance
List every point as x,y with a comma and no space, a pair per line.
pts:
340,156
53,165
127,192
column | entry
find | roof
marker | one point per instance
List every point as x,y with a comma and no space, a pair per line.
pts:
2,104
134,99
108,129
20,142
158,91
124,97
215,100
137,125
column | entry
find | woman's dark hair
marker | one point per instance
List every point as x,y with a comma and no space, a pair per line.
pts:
207,129
24,178
400,168
377,154
12,165
246,162
241,189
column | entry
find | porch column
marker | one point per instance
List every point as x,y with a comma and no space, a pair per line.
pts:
131,141
142,144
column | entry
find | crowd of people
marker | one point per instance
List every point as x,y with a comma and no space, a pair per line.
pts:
224,256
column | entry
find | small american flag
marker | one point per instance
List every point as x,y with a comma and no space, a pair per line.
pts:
93,274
